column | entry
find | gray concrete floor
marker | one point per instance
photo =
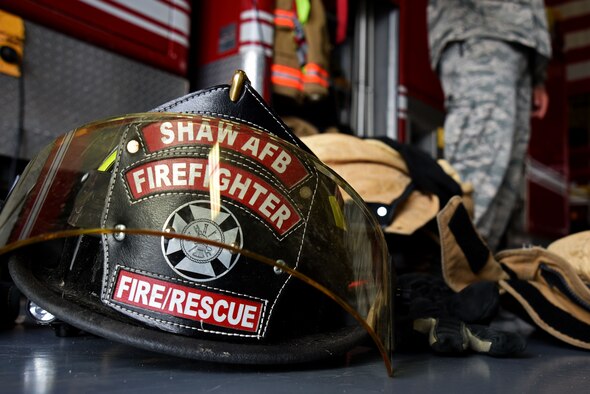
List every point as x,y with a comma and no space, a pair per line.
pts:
34,360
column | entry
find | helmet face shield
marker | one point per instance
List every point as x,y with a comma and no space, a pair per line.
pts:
207,237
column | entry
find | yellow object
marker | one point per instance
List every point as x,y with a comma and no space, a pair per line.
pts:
107,164
303,10
12,39
339,218
440,138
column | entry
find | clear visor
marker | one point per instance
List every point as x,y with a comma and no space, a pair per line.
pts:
66,188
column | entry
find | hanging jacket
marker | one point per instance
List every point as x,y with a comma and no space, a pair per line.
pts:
301,51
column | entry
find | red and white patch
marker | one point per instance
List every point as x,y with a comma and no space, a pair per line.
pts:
214,308
233,136
192,174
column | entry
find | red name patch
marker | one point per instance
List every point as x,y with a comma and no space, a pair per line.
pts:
188,174
182,301
229,135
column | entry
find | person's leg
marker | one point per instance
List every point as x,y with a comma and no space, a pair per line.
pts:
507,207
510,217
480,79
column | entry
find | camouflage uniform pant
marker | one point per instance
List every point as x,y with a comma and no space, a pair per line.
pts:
487,86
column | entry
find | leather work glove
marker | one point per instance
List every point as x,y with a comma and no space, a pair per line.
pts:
451,336
429,312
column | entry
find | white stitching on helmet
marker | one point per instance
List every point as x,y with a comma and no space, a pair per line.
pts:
192,284
187,98
272,115
179,280
248,89
229,334
180,151
106,215
198,193
298,254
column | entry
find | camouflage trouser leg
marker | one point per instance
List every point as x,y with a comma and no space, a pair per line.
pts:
487,89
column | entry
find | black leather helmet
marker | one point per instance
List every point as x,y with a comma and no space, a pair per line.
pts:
203,229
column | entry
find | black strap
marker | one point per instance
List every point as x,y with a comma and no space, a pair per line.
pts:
385,213
551,315
475,250
426,173
555,279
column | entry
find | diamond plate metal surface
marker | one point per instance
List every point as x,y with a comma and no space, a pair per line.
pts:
68,82
217,72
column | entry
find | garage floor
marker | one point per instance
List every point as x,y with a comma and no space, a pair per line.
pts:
36,361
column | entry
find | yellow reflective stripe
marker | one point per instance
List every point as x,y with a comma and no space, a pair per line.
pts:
108,162
303,10
339,218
